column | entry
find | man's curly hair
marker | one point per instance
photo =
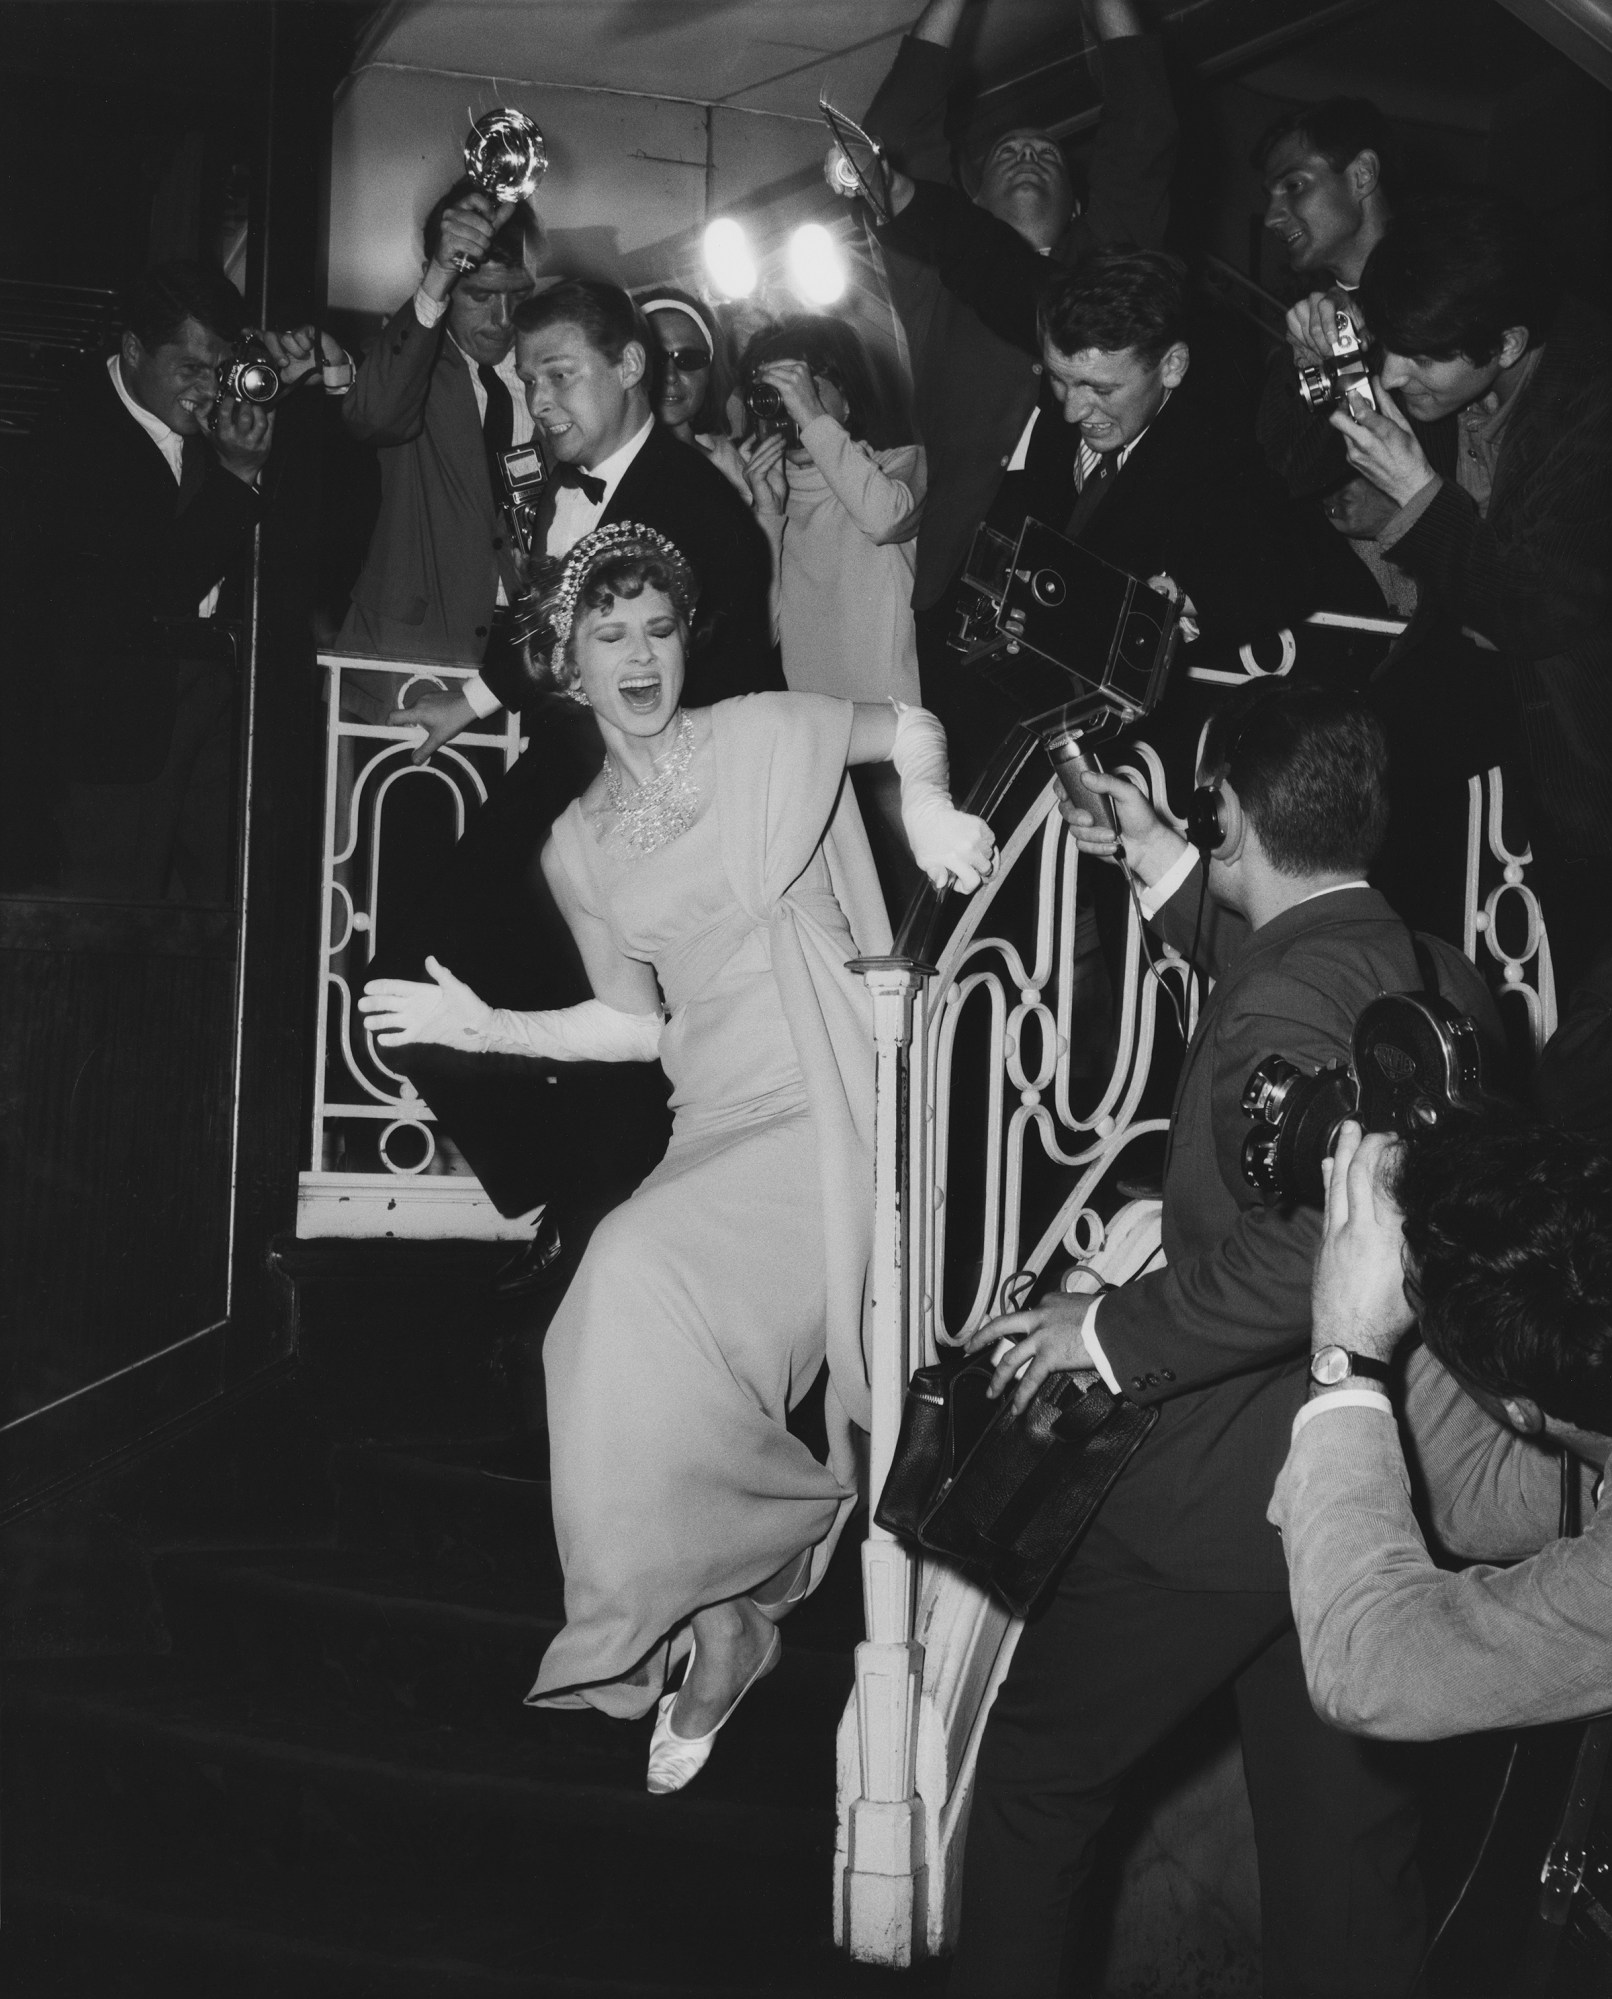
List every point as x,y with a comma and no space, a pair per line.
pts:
1508,1236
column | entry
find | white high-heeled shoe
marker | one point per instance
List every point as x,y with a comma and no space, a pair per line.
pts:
675,1759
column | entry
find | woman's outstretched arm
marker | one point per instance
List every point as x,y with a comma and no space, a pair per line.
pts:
621,1023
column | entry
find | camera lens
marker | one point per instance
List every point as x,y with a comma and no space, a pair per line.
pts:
1268,1088
764,399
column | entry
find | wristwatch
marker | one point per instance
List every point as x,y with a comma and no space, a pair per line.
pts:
1331,1367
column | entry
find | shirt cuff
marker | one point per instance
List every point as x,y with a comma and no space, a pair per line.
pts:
427,310
481,698
1343,1398
1099,1359
1153,899
1399,525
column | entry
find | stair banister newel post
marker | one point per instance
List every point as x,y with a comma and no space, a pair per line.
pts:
880,1910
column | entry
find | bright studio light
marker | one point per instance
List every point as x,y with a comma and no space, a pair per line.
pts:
728,258
816,264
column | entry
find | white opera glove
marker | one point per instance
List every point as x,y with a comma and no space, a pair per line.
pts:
950,846
398,1011
591,1032
447,1012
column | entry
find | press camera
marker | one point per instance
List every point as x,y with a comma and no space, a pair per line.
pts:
1413,1062
1328,385
524,477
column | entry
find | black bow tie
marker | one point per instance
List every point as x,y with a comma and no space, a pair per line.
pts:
591,489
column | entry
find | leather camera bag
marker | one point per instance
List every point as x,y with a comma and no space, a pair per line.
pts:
1006,1497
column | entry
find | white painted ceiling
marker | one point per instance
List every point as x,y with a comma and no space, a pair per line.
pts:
757,55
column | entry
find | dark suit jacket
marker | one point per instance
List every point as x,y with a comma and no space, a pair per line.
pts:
1193,499
114,545
1219,1339
1534,574
675,489
430,579
973,390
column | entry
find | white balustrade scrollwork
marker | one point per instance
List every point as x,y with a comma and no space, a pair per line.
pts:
373,1145
1502,909
984,1073
989,1053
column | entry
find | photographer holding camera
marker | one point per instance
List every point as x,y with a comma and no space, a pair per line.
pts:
1497,1235
1179,1587
143,497
1501,485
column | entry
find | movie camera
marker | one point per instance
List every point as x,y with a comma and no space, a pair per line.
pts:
1413,1062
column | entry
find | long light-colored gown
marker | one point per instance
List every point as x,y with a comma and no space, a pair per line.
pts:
705,1304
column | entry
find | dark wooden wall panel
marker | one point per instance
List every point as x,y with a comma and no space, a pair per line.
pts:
115,1134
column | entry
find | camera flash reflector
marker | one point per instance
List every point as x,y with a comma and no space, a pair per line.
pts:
816,265
728,258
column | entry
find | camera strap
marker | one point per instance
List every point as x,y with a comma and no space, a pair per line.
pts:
1426,964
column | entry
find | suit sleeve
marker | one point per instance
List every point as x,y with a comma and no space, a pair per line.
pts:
387,402
908,112
1244,561
734,561
1245,1302
1394,1646
1492,1495
1535,576
1133,158
1300,446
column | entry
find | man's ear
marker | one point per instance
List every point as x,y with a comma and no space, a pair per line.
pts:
634,364
1513,345
1173,365
1523,1415
131,351
1235,830
1365,173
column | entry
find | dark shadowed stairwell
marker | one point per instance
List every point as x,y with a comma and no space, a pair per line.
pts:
297,1760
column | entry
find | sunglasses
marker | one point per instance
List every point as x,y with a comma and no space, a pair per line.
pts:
686,360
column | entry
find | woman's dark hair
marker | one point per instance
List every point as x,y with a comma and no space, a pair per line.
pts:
1508,1237
518,243
606,315
1453,273
1340,129
1310,767
157,303
711,418
1117,299
831,348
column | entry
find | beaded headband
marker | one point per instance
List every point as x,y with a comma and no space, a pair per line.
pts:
619,538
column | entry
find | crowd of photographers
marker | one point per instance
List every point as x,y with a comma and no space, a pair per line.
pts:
1433,443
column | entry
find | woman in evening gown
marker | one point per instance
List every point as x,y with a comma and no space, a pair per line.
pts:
717,880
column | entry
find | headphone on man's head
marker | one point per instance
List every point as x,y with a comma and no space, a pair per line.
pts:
1206,828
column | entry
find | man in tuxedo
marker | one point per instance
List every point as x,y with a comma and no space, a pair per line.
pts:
530,1127
1179,1587
141,501
439,398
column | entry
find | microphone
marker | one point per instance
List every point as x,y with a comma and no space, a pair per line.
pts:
1072,764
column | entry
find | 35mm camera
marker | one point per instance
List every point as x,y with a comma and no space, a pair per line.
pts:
1328,385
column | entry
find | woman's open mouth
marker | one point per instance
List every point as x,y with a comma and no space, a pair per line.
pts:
640,692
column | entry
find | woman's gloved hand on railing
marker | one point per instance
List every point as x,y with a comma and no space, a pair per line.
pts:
949,845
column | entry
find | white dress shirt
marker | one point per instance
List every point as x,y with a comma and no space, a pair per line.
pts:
172,447
574,516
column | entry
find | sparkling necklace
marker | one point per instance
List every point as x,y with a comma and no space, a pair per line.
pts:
664,806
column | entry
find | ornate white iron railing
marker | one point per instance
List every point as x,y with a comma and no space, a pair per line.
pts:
374,1163
1013,1113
